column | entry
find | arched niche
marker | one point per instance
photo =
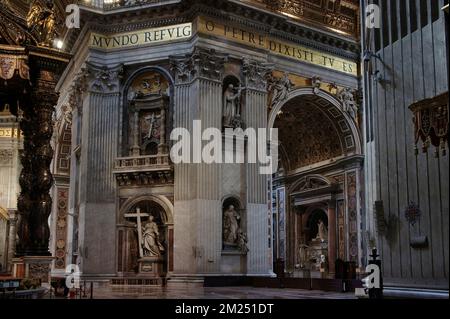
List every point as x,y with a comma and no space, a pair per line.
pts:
128,253
162,201
230,79
330,107
232,223
147,113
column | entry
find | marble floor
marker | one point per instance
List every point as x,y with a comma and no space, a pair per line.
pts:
213,293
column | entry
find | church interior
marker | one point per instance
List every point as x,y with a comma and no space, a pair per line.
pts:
93,92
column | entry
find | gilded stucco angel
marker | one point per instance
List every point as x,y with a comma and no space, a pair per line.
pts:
41,21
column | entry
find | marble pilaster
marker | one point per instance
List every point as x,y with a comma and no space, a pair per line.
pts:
255,116
198,222
12,237
331,236
99,130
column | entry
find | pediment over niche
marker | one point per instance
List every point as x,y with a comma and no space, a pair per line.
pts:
309,183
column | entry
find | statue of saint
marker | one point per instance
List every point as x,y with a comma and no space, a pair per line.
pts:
280,89
348,102
230,226
150,237
231,104
322,233
316,82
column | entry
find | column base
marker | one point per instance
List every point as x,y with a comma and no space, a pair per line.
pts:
33,267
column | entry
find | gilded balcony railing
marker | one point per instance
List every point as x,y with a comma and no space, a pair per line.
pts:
107,5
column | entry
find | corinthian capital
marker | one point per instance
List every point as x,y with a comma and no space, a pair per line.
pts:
256,74
77,89
206,63
101,79
6,156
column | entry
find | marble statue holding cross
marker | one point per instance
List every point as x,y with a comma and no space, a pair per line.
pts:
151,245
148,235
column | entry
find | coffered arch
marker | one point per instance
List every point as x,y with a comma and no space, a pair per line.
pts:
334,109
313,127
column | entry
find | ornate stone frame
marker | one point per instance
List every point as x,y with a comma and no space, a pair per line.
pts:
167,217
126,87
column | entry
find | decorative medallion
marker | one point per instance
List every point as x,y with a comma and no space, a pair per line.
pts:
412,213
61,223
61,228
60,244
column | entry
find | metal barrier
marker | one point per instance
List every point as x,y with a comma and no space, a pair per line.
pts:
85,291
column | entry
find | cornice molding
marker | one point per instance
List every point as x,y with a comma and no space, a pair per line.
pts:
240,14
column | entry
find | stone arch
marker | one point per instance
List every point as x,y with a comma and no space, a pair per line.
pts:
161,200
336,108
230,79
233,199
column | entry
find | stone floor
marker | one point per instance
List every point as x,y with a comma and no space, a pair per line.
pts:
213,293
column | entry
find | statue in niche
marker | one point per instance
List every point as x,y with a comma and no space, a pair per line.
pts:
150,239
232,106
322,232
347,98
231,226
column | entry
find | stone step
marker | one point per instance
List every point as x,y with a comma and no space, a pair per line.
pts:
137,282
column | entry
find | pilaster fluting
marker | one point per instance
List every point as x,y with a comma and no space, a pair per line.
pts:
255,117
198,96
